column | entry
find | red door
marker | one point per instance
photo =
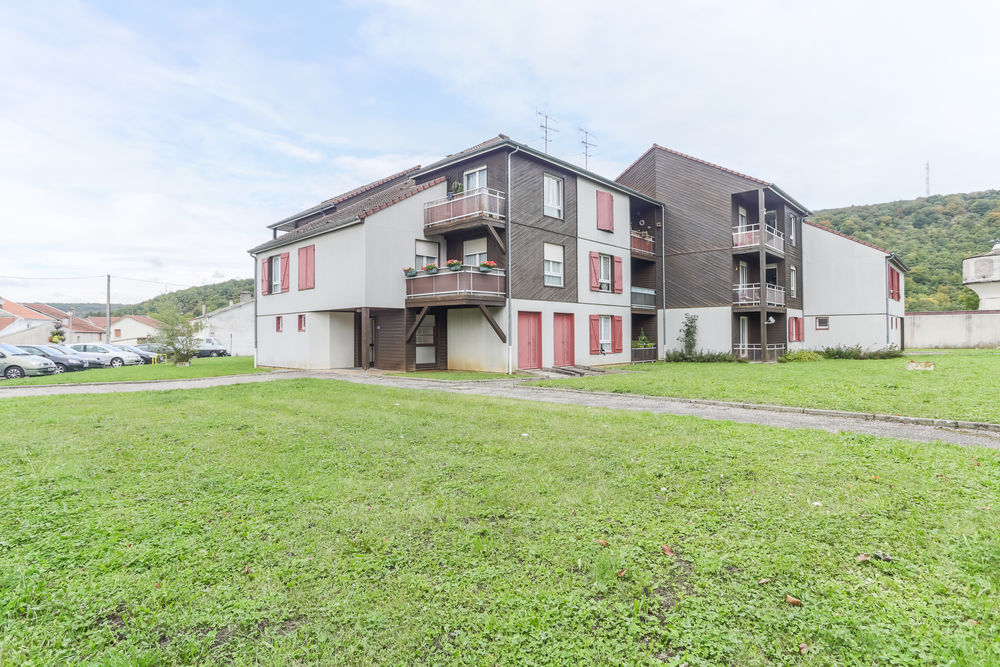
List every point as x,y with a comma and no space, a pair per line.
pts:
529,340
562,338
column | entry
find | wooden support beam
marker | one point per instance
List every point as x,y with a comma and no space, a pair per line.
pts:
496,237
493,323
365,343
420,318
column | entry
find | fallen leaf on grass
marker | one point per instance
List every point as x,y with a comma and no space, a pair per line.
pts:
158,584
246,569
874,477
621,572
793,601
603,543
667,550
764,581
862,557
972,621
803,648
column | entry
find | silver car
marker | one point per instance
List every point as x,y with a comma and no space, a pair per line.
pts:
16,363
93,360
109,354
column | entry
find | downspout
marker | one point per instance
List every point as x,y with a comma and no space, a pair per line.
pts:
885,284
663,274
510,314
256,268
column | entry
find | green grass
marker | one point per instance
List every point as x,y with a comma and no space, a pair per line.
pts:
199,368
318,522
460,375
964,385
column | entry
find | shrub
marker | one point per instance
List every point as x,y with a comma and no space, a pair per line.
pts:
891,352
843,352
689,333
800,355
702,357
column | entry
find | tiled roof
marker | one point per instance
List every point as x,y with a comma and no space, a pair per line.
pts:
499,139
142,319
365,188
6,321
355,210
694,159
46,309
17,310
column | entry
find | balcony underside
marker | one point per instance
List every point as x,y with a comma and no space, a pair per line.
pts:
472,221
754,249
748,308
454,300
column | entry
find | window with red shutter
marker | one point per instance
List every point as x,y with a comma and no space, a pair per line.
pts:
595,334
285,279
616,333
265,275
277,323
605,211
595,272
307,270
617,282
302,322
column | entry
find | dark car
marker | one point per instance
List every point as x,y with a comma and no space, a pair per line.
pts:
64,362
158,348
147,356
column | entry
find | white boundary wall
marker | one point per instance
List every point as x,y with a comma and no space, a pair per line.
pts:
973,328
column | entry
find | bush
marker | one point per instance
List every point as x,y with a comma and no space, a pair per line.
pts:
891,352
689,333
702,357
800,355
855,352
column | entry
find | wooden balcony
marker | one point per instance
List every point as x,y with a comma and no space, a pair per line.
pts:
643,355
465,210
469,286
642,246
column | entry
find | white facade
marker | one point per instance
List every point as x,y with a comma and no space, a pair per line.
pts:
973,328
26,332
581,330
846,288
233,326
472,343
715,329
129,331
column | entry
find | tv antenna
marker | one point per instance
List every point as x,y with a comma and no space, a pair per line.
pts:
544,124
587,145
927,178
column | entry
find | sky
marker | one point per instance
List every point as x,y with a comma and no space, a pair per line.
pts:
156,141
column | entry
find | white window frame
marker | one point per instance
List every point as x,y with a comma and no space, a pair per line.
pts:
552,269
742,221
791,229
820,327
552,196
302,322
604,334
793,282
480,178
276,274
477,256
604,284
419,260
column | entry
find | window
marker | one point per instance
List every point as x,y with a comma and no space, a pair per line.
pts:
553,268
605,334
895,291
795,330
604,281
605,211
822,323
424,339
475,178
426,253
277,324
553,200
302,322
475,251
118,333
276,275
742,219
792,223
793,282
307,267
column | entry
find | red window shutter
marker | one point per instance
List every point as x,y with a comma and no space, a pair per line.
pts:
595,334
595,272
303,271
307,279
616,333
265,275
312,266
791,329
277,323
801,326
605,211
284,272
617,281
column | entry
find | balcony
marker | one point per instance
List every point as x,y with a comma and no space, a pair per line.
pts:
642,245
749,236
643,298
467,209
753,351
469,286
643,355
749,295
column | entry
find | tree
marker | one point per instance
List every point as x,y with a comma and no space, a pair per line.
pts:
177,334
689,333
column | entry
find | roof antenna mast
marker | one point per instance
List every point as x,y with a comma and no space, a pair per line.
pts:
544,124
587,145
927,178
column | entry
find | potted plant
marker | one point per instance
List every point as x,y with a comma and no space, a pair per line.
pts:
487,265
456,189
409,272
455,264
431,268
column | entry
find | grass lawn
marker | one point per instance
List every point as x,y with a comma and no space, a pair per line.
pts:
460,375
964,385
199,368
312,521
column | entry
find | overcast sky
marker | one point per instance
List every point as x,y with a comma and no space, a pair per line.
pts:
156,141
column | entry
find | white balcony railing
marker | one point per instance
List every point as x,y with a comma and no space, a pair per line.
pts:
747,235
749,295
754,352
478,202
643,297
774,238
469,281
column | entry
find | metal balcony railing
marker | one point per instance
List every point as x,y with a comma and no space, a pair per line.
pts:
481,201
469,281
754,352
643,297
749,295
749,235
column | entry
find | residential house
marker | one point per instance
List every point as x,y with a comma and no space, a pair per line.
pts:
32,324
76,329
129,329
740,256
232,325
576,272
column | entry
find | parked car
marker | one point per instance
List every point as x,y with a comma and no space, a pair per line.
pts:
64,362
146,356
158,348
16,363
109,354
93,360
210,347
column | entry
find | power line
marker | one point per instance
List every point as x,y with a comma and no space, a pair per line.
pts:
50,277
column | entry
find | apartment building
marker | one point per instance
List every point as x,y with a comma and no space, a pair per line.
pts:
575,276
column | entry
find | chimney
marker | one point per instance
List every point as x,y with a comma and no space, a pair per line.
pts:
245,296
230,302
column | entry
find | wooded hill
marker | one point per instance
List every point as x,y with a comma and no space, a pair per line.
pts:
932,235
188,301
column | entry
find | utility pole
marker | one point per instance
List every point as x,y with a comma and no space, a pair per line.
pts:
927,178
107,311
72,314
544,125
587,145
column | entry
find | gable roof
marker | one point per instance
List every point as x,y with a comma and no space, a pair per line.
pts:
19,311
352,213
778,191
6,321
888,253
346,196
46,309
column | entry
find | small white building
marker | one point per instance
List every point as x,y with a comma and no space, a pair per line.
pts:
232,325
853,292
130,329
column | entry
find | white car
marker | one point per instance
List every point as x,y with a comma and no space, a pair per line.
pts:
109,355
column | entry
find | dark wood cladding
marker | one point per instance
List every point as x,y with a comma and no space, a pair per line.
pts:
494,161
440,338
530,228
644,274
389,335
455,244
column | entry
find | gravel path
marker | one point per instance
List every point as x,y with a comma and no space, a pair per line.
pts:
764,415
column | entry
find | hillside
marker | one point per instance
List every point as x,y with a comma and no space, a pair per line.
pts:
932,235
85,309
189,300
